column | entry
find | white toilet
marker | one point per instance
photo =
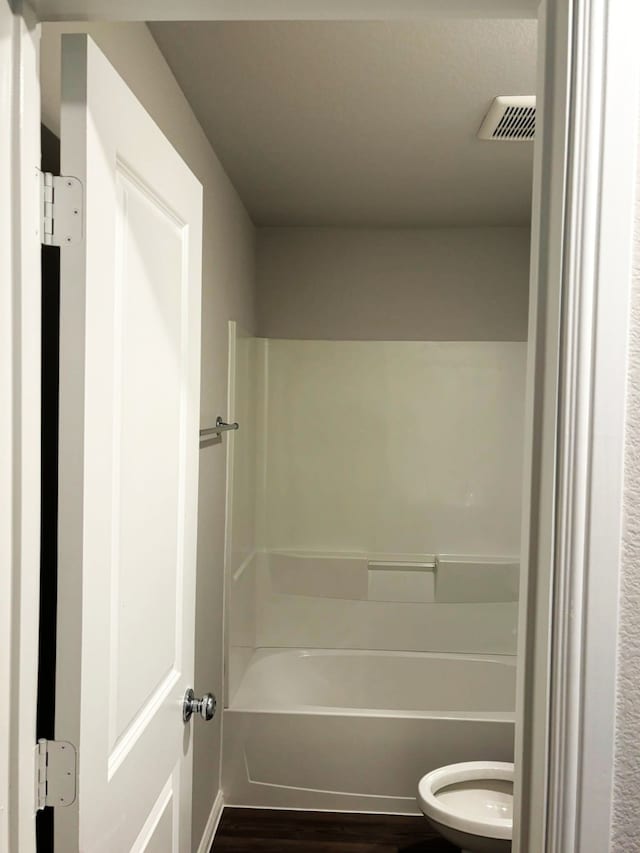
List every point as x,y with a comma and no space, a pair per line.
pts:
471,804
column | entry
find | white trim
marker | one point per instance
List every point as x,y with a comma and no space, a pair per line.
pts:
532,694
231,413
270,10
597,278
212,824
7,359
613,267
567,702
19,421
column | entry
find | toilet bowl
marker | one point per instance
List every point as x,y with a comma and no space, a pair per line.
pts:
471,804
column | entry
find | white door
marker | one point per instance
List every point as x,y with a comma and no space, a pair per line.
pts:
129,418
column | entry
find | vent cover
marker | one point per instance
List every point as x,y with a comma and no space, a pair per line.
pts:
510,118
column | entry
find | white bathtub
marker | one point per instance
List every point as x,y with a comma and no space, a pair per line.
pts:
355,730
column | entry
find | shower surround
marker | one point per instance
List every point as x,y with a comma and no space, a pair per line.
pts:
381,553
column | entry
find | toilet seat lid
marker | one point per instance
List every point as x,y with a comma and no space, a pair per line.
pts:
473,820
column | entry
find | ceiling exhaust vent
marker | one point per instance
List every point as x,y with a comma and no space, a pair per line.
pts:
510,118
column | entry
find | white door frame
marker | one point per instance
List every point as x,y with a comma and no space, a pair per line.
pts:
19,420
599,231
569,614
581,273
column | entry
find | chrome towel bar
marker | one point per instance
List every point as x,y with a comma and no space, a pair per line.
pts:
219,428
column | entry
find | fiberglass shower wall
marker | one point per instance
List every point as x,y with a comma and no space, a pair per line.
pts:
382,443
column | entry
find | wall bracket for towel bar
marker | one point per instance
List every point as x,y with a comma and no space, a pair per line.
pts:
218,429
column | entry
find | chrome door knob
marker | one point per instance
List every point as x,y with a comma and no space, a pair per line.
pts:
205,707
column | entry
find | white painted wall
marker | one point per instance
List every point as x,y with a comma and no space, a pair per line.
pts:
439,284
228,292
625,834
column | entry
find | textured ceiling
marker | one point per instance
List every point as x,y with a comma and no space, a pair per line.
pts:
361,123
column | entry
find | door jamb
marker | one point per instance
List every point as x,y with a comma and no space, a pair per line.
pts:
596,288
19,419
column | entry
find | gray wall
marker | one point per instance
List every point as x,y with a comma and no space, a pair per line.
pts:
393,284
228,292
626,804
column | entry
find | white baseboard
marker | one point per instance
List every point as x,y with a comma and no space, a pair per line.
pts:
212,824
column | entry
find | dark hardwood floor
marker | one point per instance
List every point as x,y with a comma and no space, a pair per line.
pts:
277,831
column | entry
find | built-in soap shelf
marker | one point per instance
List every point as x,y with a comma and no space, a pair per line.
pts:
412,579
401,580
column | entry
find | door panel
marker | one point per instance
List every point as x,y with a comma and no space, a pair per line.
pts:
129,416
156,835
150,288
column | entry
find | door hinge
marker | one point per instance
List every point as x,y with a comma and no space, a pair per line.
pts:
60,210
55,773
